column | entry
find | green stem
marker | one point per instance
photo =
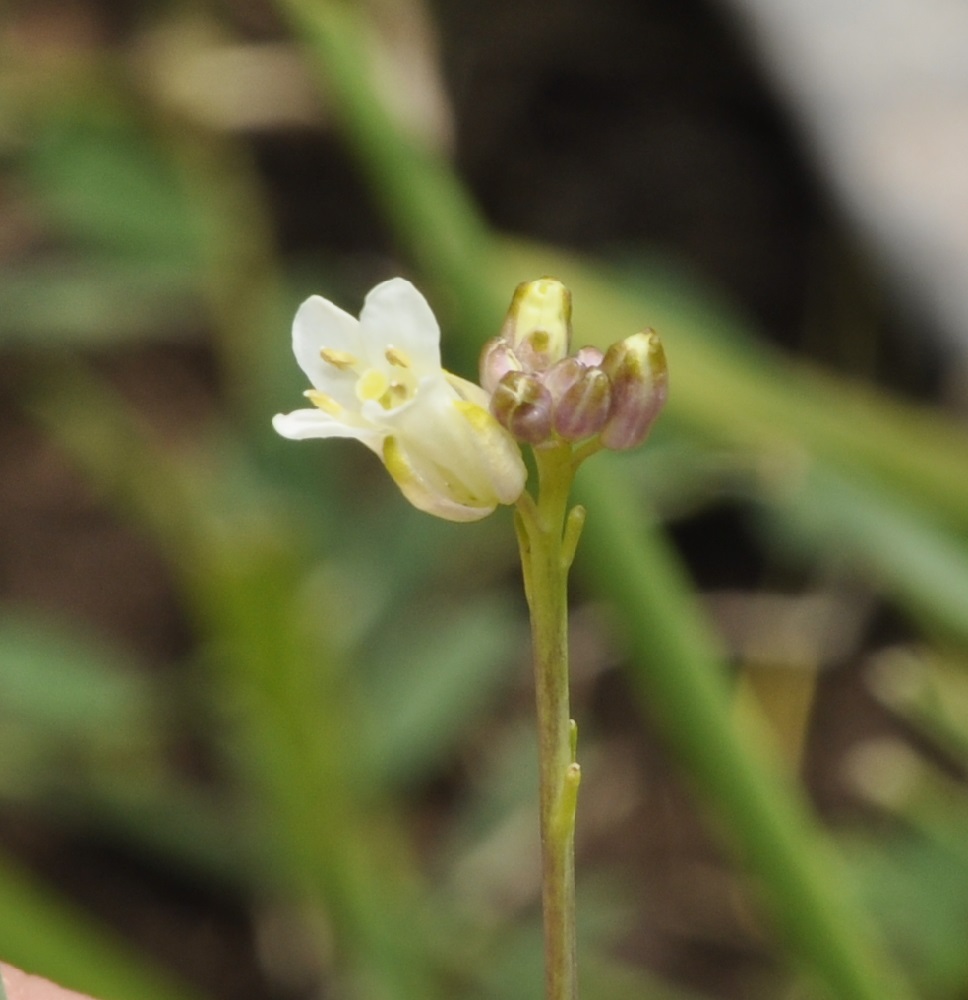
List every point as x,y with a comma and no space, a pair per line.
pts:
547,536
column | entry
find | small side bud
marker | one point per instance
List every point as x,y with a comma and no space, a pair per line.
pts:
524,406
497,359
538,323
637,370
584,408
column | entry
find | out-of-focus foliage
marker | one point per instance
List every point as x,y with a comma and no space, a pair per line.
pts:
342,746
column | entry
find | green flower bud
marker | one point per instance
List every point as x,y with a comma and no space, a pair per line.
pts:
524,406
636,367
538,323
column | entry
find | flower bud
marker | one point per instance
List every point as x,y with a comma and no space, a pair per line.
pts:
583,409
524,406
590,357
561,376
497,359
538,323
636,367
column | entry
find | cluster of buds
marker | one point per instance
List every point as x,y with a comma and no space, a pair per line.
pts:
545,395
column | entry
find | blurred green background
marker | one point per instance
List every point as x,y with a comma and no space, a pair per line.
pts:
265,731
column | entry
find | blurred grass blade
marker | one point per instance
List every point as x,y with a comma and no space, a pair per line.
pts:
69,688
102,181
98,301
919,886
288,697
66,695
443,683
682,687
416,190
930,691
868,531
45,935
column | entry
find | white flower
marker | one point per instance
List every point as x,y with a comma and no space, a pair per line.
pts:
379,380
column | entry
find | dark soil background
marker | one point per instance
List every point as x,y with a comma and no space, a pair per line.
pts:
631,128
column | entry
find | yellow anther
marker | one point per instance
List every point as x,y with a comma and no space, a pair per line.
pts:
397,358
339,359
326,403
372,384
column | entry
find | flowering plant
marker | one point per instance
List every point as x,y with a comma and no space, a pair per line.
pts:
452,448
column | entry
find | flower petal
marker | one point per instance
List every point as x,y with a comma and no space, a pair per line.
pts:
470,391
303,424
320,324
500,454
457,447
426,493
396,314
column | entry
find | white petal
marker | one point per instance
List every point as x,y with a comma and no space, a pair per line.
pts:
470,391
427,494
303,424
499,454
396,314
457,447
320,324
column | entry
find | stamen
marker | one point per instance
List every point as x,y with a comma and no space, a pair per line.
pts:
397,357
326,403
339,359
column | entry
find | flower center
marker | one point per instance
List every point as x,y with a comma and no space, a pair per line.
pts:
388,385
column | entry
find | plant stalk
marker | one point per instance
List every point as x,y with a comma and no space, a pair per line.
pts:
547,536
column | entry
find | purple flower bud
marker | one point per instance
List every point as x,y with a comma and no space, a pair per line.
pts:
583,409
590,357
497,359
636,367
561,376
538,323
524,406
